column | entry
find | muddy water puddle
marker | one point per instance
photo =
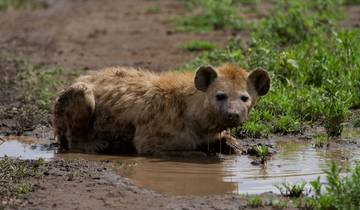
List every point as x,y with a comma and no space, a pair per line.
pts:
24,147
295,161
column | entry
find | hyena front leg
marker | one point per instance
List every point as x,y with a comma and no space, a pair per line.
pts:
73,116
222,143
232,145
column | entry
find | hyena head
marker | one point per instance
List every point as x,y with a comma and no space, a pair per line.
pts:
231,92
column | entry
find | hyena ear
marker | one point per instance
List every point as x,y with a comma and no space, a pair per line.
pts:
205,75
260,79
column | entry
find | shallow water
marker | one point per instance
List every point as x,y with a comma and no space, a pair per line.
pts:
295,161
23,147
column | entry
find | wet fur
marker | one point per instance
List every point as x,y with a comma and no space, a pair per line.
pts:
128,110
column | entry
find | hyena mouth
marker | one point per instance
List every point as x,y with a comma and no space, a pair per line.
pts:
231,124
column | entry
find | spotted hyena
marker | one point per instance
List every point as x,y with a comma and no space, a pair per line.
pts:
130,110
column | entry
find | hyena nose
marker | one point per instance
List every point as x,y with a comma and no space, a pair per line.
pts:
233,116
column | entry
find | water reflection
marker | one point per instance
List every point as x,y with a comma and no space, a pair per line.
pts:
295,161
21,150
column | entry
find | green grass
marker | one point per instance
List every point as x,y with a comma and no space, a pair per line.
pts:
153,10
262,151
292,190
321,141
17,178
208,15
338,193
33,88
254,201
351,2
357,123
255,129
44,82
198,45
314,65
278,203
294,21
20,4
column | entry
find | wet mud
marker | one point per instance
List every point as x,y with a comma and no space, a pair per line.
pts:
294,161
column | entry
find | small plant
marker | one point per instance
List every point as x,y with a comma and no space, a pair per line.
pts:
278,203
287,124
198,45
255,126
336,111
214,15
357,123
262,151
255,129
24,188
337,193
14,175
39,162
153,10
321,141
20,4
291,190
255,201
45,83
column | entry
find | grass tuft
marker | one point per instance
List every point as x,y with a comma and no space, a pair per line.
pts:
337,193
357,123
197,45
278,203
262,151
292,190
153,10
210,15
39,84
321,141
30,91
255,201
21,4
16,176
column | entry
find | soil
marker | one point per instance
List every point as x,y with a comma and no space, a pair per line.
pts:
93,185
92,34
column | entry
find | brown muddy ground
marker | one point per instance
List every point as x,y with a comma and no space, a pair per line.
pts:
93,185
91,34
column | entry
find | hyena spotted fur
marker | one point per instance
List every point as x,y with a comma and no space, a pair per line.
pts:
128,110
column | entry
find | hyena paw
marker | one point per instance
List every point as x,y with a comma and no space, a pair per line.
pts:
232,142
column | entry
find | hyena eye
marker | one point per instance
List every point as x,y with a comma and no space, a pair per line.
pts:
244,98
221,96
